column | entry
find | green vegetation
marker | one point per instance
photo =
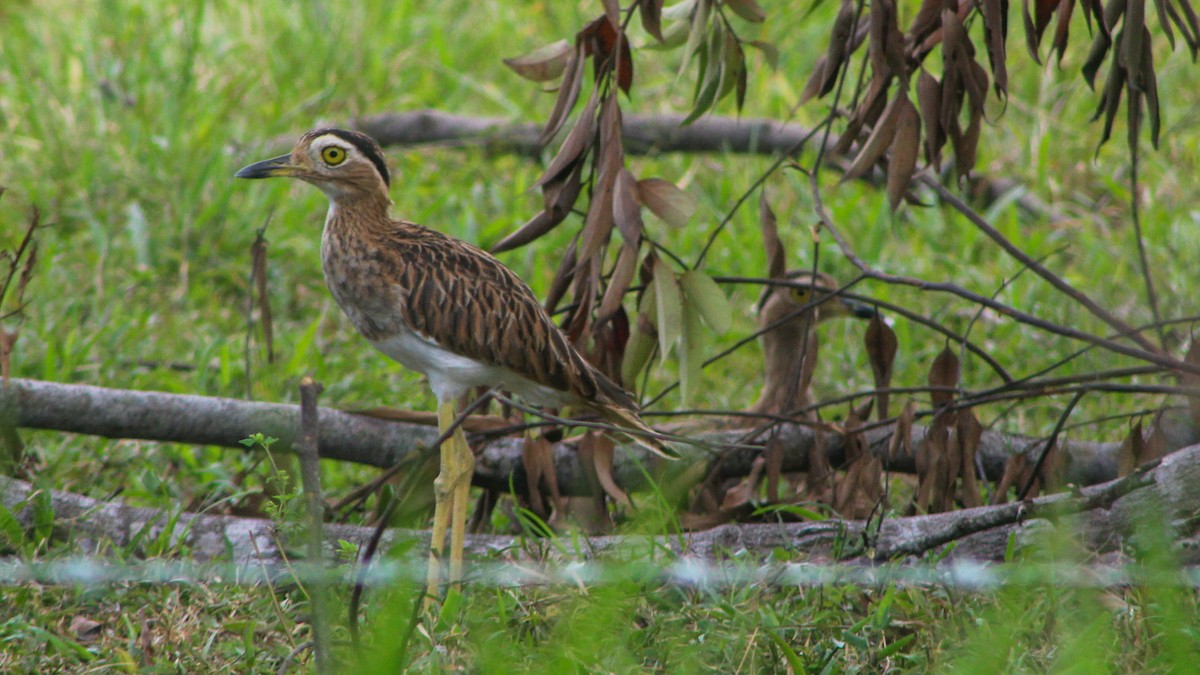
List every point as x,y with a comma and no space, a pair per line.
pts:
123,122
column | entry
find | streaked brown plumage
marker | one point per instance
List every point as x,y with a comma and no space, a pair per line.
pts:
440,306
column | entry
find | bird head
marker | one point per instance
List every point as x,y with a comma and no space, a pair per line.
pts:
806,289
341,163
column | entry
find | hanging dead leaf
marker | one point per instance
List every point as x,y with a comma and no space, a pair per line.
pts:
8,339
900,444
905,147
943,377
749,10
1132,450
575,145
776,265
886,45
769,51
881,346
995,34
1015,472
618,283
651,12
773,461
929,97
828,65
562,278
627,211
601,451
568,94
880,139
538,459
1157,444
673,206
544,63
967,435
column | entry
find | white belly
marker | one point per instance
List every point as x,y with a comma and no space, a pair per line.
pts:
452,375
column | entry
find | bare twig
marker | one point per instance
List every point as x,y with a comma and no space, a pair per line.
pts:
310,475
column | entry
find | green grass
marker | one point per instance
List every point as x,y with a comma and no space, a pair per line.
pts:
123,122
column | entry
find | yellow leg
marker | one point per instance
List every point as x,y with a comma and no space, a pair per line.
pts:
451,491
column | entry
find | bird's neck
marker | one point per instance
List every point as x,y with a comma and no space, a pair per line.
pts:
362,213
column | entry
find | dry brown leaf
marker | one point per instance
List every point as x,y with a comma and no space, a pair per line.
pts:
880,139
612,11
1132,451
568,94
995,27
1015,471
7,340
672,205
575,145
929,98
881,345
627,210
968,433
618,283
886,46
749,10
817,79
819,481
538,460
866,114
562,278
85,630
936,469
776,264
543,64
651,11
905,147
943,377
602,458
1157,445
1062,27
773,454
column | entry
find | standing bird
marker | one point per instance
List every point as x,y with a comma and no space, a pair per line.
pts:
444,308
790,340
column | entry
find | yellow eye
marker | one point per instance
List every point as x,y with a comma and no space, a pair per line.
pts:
801,295
333,155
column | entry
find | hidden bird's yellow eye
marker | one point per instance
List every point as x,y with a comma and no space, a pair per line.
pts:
333,155
801,295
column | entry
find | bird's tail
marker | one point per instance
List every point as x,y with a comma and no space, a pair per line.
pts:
639,431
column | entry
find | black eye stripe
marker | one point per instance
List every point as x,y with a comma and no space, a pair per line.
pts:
364,144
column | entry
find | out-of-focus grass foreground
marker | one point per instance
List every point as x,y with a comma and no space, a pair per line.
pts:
922,307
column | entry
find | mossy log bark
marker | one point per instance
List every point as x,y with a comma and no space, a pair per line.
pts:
1101,517
344,436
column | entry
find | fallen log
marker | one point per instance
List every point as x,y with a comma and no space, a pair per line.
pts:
362,439
1102,517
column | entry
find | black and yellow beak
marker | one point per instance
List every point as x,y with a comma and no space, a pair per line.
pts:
859,310
269,168
840,306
